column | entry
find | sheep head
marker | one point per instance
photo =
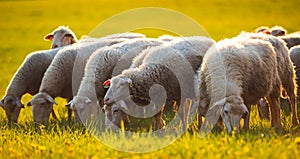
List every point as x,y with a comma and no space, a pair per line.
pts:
42,105
118,90
84,108
231,109
278,31
114,116
12,106
61,36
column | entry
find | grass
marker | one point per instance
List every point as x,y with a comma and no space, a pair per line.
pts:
24,23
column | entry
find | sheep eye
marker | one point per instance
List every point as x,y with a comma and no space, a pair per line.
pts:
226,111
116,111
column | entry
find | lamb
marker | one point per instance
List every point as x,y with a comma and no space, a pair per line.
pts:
236,73
167,73
63,77
285,69
61,36
102,65
27,79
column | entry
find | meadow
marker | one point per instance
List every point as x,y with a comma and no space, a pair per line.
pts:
24,23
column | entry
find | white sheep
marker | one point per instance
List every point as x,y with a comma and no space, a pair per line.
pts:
170,67
102,65
61,36
236,73
27,79
285,69
63,76
295,57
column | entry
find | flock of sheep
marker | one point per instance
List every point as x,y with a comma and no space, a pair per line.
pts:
129,74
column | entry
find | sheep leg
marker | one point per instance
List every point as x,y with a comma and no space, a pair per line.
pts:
69,114
293,106
247,118
183,112
186,109
294,111
263,109
53,114
275,111
199,119
158,122
76,117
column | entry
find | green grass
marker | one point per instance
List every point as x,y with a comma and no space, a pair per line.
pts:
24,23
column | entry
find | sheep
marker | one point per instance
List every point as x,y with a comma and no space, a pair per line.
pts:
295,57
63,76
171,66
61,36
278,31
27,79
103,64
285,70
236,73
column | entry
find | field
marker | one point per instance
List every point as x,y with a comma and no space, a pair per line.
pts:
23,25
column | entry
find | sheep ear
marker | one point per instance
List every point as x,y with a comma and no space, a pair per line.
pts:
19,104
267,32
48,37
50,99
213,114
69,104
29,103
2,102
246,112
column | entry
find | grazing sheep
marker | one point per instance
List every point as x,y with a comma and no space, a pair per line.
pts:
61,36
278,31
27,79
295,57
63,76
236,73
102,65
285,69
170,67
